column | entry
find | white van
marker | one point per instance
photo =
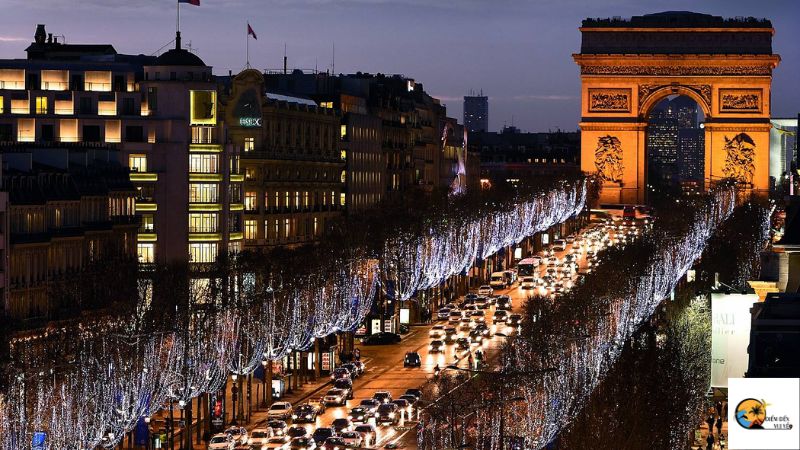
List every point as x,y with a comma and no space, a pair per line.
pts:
498,280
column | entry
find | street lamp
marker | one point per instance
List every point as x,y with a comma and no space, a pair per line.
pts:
234,392
264,381
181,405
149,438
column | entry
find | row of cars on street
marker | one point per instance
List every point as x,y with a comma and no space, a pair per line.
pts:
287,425
557,268
467,326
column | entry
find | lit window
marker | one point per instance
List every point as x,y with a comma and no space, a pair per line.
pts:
328,105
106,108
344,155
286,228
203,193
203,223
316,225
249,173
148,223
202,252
97,81
26,130
297,199
146,252
305,199
203,106
250,229
343,131
1,104
250,202
342,198
41,105
287,199
68,130
137,163
12,79
20,105
249,144
200,163
113,131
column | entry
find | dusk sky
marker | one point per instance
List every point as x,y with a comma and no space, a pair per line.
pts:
518,51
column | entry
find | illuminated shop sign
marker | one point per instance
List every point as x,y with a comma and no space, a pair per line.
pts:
249,121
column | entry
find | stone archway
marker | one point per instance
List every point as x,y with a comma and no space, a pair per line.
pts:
628,66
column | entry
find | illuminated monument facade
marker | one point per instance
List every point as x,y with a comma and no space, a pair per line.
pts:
630,65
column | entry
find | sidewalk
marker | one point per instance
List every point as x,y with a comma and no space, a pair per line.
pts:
700,444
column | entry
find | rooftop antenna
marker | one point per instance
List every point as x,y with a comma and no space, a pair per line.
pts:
190,48
333,59
284,58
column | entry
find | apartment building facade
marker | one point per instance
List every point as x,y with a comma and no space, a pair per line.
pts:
292,162
159,113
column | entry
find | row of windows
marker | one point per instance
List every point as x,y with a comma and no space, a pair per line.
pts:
292,199
67,106
252,173
199,252
67,130
63,80
285,228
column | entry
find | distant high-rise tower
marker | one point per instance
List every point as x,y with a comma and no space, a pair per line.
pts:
476,112
675,142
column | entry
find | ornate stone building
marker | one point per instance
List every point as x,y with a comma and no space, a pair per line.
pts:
292,161
627,66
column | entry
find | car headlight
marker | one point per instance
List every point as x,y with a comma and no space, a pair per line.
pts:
391,415
308,416
294,416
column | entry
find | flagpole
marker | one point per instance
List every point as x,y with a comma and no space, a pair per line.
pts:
178,21
247,39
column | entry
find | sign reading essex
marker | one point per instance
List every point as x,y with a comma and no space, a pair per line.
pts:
249,121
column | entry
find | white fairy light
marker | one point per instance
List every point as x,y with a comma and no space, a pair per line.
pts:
119,375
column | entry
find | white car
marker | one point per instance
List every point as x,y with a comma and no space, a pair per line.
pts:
239,435
528,283
352,439
221,441
485,290
280,410
436,332
260,436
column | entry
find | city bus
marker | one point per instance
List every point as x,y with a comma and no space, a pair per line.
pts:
527,267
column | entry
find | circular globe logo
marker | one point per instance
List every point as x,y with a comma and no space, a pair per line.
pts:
751,413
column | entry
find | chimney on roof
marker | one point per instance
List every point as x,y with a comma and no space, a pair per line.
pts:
49,38
40,35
